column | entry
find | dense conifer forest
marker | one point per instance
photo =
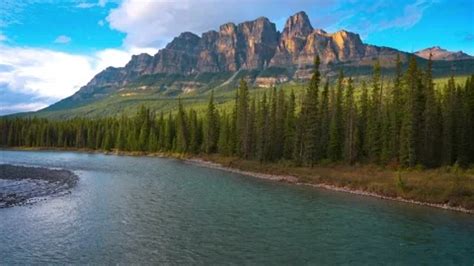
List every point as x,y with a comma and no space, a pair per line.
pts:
405,121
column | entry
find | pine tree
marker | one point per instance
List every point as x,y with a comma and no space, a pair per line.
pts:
310,119
182,130
409,134
211,127
162,132
107,143
195,132
170,133
251,130
396,109
234,136
272,125
241,119
336,129
224,135
350,134
386,152
461,144
469,90
325,121
263,129
373,134
431,129
290,123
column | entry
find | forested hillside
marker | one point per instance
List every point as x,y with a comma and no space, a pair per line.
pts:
405,121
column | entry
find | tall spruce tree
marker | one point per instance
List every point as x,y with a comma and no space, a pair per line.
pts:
182,130
350,134
290,123
325,121
409,134
374,125
336,129
396,109
310,117
211,135
431,127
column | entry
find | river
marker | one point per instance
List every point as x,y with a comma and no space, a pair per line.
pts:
155,210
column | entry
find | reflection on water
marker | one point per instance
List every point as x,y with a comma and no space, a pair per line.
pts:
152,210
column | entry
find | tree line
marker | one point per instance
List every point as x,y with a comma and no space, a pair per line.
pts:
405,121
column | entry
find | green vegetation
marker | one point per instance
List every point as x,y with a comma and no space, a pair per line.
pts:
159,92
406,123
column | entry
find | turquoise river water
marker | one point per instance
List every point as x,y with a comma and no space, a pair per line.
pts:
152,210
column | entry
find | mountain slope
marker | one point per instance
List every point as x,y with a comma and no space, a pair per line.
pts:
439,53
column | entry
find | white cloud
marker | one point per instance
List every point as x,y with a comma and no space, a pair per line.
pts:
63,39
21,107
412,13
153,22
367,17
42,72
52,75
116,57
85,5
100,3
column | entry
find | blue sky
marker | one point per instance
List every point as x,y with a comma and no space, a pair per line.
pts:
50,48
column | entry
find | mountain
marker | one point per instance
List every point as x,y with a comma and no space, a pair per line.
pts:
248,47
254,50
439,53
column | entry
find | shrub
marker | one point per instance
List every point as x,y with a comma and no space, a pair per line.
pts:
401,184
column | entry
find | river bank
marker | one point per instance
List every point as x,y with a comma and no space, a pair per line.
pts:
22,185
445,188
295,180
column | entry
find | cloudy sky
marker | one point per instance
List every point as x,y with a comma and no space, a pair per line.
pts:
50,48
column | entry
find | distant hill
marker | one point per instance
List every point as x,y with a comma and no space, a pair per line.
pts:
439,53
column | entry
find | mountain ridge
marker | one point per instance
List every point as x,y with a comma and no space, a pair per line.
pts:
439,53
254,50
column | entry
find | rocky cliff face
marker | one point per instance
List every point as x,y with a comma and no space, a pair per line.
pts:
439,53
251,45
292,41
255,45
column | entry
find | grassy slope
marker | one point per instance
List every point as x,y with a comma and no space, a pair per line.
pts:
128,101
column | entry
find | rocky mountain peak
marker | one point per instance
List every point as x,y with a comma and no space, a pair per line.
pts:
139,63
227,28
185,41
298,25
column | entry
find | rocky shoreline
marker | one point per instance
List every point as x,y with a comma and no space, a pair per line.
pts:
21,185
280,178
295,180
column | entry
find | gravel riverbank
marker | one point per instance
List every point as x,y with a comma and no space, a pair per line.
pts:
22,185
